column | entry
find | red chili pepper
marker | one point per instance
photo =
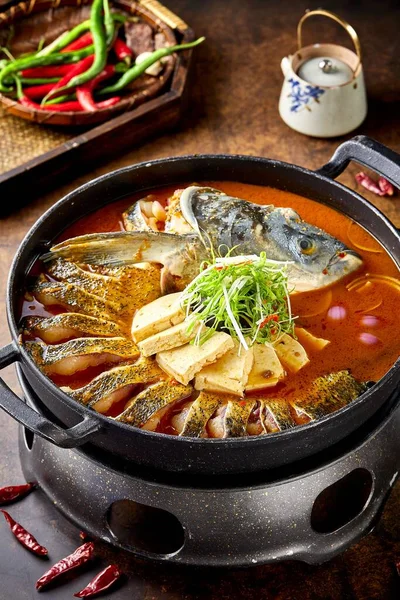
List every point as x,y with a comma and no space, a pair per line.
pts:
22,99
110,102
82,42
72,561
122,51
50,71
72,106
103,581
385,186
36,92
84,93
369,184
268,320
79,67
15,492
24,537
75,106
397,565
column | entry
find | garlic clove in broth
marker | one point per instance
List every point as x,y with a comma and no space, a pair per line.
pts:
155,69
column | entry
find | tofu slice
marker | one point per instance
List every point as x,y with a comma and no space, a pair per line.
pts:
184,362
291,354
310,341
228,374
173,337
267,369
157,316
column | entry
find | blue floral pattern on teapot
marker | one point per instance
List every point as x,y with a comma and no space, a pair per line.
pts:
301,96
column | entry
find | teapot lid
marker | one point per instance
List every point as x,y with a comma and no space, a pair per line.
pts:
325,71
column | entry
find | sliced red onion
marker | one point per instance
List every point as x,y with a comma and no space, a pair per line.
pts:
369,339
337,313
369,321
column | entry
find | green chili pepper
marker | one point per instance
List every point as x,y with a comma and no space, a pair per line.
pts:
40,61
100,46
137,70
108,20
64,39
61,99
38,80
68,37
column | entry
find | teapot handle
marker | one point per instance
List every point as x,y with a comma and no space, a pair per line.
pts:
326,13
367,152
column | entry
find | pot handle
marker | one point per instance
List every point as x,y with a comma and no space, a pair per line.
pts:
367,152
35,422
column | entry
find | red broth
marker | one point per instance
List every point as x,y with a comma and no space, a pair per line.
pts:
370,313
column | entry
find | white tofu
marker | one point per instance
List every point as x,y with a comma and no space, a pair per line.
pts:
267,370
310,341
291,354
173,337
157,316
228,374
184,362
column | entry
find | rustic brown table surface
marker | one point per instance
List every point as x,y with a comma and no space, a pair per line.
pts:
233,109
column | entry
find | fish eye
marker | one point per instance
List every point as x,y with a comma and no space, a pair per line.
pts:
307,246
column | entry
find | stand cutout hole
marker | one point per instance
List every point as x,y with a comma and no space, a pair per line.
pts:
28,438
145,527
342,501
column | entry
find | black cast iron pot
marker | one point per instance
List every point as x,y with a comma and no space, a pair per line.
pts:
171,453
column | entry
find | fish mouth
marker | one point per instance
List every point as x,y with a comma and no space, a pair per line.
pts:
344,262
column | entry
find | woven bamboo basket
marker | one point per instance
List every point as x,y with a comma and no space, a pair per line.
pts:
34,20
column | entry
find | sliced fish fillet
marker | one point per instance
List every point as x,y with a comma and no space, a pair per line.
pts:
81,353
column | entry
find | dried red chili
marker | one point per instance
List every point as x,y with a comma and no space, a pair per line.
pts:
369,184
24,537
385,186
103,581
79,557
11,493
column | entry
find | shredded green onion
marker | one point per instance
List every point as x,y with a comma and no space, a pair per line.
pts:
246,296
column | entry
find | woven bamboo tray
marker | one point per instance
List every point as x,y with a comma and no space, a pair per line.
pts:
37,156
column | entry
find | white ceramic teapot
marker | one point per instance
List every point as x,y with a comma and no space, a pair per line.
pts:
323,93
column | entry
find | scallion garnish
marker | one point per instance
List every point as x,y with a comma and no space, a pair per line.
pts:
246,296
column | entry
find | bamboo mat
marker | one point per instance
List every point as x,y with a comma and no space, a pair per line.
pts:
21,141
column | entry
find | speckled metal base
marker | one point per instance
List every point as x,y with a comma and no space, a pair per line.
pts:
225,521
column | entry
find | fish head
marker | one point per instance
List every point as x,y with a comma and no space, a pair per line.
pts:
318,258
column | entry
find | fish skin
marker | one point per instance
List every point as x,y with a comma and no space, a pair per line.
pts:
236,417
221,221
47,355
146,404
199,413
75,298
126,288
144,370
277,416
74,323
328,394
133,218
